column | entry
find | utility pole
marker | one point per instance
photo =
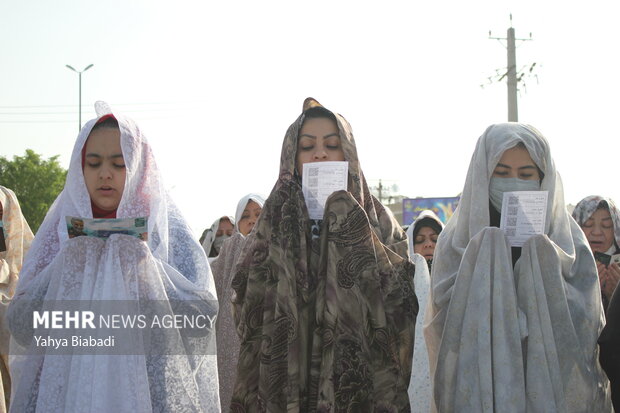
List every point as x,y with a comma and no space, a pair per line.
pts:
511,75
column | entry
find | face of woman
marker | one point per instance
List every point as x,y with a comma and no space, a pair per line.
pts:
248,218
599,230
225,228
424,242
104,168
517,163
318,141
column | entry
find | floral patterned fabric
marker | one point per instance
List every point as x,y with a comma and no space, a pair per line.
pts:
326,324
18,238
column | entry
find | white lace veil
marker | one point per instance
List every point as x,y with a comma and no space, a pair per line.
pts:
172,265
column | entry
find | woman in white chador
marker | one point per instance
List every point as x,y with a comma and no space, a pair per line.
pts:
422,235
514,329
248,211
213,238
113,174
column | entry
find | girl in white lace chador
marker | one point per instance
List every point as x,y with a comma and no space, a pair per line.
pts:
113,176
248,211
508,334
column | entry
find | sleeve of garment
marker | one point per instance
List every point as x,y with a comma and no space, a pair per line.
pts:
609,342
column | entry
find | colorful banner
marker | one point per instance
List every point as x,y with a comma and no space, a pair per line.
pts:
443,207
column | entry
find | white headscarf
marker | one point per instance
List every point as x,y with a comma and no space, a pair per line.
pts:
588,206
420,384
170,266
211,234
243,202
514,340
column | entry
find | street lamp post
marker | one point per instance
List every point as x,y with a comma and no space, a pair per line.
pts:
80,92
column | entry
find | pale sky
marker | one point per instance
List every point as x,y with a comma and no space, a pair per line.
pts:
214,85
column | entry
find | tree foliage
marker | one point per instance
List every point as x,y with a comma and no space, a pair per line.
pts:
35,181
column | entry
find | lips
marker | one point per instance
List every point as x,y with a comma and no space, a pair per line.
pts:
106,190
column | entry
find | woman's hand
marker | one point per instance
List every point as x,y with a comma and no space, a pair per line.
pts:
612,276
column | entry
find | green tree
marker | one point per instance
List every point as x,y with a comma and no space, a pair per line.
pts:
36,182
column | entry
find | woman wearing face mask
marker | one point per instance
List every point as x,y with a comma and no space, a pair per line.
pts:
514,329
248,211
325,308
599,219
214,237
422,235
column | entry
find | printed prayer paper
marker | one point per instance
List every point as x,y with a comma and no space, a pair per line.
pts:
319,181
523,215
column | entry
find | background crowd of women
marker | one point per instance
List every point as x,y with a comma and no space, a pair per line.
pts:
344,313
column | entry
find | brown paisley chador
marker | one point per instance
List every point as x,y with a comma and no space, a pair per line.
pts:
326,322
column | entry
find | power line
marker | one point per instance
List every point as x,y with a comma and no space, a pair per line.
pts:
113,105
72,112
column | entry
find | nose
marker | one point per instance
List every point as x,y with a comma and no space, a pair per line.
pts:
428,244
320,153
597,230
105,173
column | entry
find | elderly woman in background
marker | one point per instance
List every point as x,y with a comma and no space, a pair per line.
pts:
599,219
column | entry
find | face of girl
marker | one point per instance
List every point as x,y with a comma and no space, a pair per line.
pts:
319,141
599,230
248,218
104,168
424,242
517,163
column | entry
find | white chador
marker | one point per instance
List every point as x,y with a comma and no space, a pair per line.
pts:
522,339
170,266
420,383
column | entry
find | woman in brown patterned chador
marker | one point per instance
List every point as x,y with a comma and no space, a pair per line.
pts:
325,309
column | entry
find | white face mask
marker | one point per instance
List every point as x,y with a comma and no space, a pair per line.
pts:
219,241
498,186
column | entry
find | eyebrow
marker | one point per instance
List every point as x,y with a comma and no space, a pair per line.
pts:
94,155
307,135
501,165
